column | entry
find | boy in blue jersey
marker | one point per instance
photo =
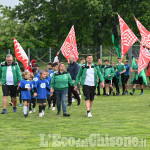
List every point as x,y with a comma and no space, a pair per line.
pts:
127,75
25,87
41,86
48,78
33,99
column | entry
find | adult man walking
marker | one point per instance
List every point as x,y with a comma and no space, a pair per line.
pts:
10,75
88,74
73,69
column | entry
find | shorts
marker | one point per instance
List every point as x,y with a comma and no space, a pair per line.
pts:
139,81
27,100
108,82
41,101
126,78
9,90
89,92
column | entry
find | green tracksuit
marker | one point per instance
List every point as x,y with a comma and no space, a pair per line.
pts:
15,70
82,75
60,81
108,70
120,67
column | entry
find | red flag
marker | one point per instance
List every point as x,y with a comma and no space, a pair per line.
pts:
21,55
69,47
145,41
144,59
148,72
128,38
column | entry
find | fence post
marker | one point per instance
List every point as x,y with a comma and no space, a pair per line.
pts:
8,51
29,54
50,54
130,62
100,51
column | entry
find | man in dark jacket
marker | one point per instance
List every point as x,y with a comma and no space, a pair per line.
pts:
73,69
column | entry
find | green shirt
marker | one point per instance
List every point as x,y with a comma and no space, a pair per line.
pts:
60,81
120,67
108,70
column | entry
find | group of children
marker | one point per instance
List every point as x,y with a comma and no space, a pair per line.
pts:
35,87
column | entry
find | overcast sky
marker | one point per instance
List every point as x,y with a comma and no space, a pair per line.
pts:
11,3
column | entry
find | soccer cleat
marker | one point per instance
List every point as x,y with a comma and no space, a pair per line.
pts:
20,105
95,96
66,115
25,115
107,95
131,93
123,93
14,109
142,93
89,115
43,112
4,111
40,115
53,108
34,110
69,105
30,112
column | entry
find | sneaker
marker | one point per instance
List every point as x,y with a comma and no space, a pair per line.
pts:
34,110
11,104
14,109
89,115
4,111
131,93
66,115
142,93
53,108
123,93
40,115
30,112
113,93
25,115
95,96
20,105
107,95
69,105
43,112
73,100
126,92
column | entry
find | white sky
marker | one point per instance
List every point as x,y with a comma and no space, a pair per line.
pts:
11,3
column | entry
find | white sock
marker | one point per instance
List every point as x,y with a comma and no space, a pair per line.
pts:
25,110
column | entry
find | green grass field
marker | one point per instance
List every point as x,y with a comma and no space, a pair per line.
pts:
119,116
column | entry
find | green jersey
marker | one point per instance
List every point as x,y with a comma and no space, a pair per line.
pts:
109,72
120,67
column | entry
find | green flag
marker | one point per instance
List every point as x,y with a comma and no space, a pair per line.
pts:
115,39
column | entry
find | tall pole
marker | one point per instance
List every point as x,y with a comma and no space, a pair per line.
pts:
50,54
29,54
100,51
8,51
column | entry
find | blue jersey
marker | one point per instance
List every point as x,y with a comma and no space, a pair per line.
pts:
36,77
32,88
51,73
25,94
49,82
127,70
42,86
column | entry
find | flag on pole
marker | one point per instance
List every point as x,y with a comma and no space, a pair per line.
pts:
69,47
115,39
145,41
128,38
144,58
21,55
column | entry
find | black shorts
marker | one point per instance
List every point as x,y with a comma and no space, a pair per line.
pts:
108,82
139,81
41,101
126,78
9,90
89,92
27,100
